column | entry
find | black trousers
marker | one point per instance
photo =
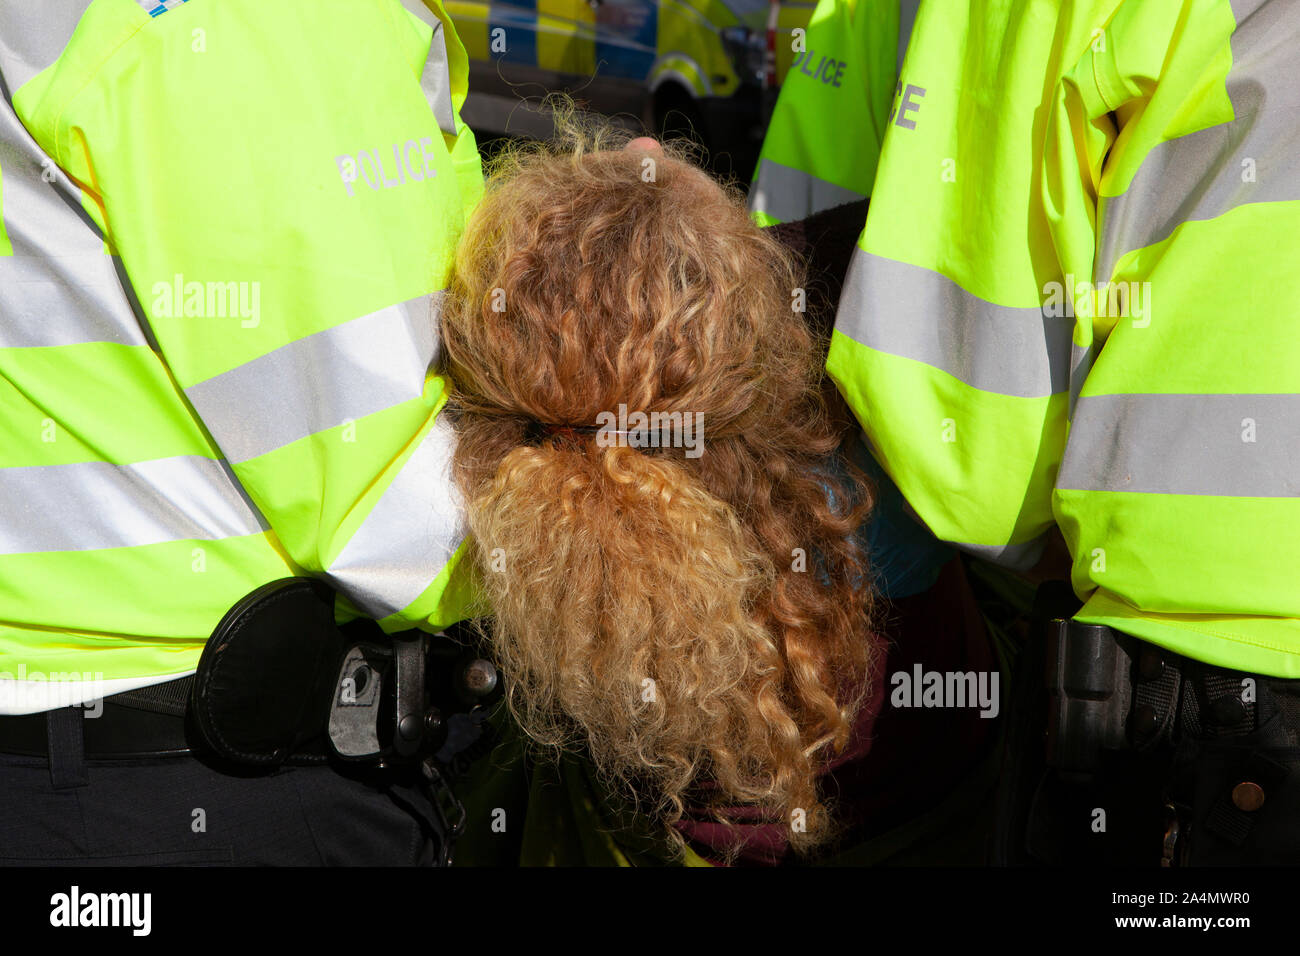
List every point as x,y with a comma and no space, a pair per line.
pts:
66,810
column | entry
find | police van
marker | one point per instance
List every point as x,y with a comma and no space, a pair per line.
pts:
705,68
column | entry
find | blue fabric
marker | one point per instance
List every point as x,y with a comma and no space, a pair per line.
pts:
905,557
156,8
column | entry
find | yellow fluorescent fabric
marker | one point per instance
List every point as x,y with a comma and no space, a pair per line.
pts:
284,199
824,137
1070,303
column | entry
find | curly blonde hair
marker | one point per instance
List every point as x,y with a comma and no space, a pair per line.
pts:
701,625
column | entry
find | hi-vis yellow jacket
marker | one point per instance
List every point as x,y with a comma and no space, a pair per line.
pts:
823,142
223,221
1073,302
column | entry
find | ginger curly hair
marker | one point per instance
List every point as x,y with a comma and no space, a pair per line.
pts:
651,607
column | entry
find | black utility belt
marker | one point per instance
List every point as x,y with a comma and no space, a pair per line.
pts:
279,682
1110,691
111,732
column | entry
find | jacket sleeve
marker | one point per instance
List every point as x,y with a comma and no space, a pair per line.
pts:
1176,190
842,78
943,347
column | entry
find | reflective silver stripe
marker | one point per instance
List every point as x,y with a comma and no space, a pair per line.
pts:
407,538
1017,557
58,287
32,35
914,313
1200,176
1081,362
907,11
436,78
790,194
38,307
91,505
321,381
42,207
1185,445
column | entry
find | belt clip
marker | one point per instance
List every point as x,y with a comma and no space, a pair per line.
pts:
393,695
380,711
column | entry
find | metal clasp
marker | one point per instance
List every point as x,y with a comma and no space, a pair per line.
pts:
1173,830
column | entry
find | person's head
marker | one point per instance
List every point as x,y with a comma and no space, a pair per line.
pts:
694,616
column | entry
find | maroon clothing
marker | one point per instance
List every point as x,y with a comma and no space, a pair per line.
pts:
900,762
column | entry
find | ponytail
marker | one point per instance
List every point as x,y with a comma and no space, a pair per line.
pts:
624,602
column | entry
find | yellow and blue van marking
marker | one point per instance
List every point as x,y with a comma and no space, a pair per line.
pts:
568,36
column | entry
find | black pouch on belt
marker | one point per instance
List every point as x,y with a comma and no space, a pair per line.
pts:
266,678
280,681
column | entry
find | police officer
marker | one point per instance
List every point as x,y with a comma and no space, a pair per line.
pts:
224,226
823,141
1070,307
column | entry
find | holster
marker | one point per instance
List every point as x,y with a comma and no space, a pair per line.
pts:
266,677
280,681
1089,696
1154,758
1068,751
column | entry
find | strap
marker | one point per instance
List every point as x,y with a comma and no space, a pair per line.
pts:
171,698
1157,684
1231,816
67,748
1229,712
1174,697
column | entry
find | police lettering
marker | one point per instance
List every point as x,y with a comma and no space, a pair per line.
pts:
409,162
828,70
904,103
